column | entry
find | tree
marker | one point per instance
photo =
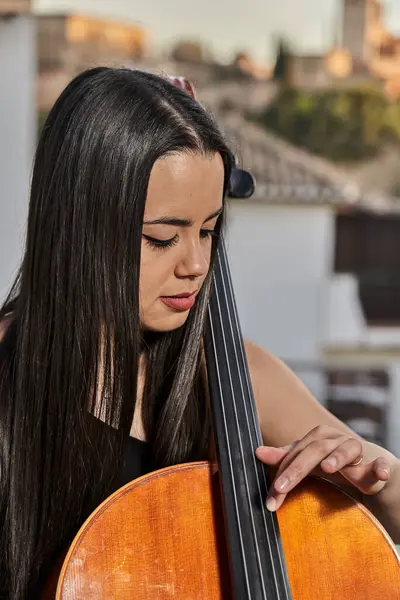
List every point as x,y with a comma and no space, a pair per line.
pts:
342,125
282,63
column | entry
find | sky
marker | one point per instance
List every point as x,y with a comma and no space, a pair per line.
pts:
228,26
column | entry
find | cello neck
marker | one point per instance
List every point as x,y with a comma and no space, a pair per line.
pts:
258,570
256,557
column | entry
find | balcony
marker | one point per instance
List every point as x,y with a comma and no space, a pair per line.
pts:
10,7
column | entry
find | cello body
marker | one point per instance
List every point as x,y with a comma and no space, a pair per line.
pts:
162,536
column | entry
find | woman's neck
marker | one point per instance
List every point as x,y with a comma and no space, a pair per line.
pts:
137,429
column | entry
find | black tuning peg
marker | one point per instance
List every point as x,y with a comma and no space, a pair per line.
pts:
242,184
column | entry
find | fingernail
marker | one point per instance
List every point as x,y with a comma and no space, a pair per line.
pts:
282,484
271,503
331,462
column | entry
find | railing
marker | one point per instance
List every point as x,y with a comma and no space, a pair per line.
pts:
10,7
358,396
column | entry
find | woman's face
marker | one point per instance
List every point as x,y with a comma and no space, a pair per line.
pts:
183,203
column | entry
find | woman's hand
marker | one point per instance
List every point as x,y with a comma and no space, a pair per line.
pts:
325,451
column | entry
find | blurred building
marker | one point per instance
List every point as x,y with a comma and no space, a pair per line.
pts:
17,130
14,7
360,18
69,43
367,53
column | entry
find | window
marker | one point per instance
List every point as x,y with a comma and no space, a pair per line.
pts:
369,247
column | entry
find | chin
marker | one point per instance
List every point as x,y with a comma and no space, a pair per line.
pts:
166,324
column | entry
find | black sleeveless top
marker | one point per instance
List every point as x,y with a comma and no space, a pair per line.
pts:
137,461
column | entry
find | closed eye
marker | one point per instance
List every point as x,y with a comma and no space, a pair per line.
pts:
206,233
160,244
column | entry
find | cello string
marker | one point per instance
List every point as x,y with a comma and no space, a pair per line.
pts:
229,449
240,438
227,274
255,422
253,458
235,316
238,345
240,443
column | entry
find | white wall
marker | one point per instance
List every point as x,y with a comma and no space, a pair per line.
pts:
17,135
345,322
281,260
393,417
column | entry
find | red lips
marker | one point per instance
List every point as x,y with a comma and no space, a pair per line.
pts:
180,302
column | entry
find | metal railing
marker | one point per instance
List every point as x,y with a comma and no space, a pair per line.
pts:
358,396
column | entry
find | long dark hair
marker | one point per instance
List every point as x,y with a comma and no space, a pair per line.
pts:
73,346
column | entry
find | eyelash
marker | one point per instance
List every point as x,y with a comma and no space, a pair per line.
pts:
160,244
163,244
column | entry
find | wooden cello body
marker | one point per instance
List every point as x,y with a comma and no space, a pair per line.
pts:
200,531
162,537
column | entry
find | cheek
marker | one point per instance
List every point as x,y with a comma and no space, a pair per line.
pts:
155,269
207,252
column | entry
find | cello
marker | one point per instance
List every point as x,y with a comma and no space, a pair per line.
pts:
200,531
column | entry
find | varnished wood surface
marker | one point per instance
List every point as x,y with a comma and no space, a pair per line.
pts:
162,537
335,548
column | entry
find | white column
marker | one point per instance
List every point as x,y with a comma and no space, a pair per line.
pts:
393,417
17,137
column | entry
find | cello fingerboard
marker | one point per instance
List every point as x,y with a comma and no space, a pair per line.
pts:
257,562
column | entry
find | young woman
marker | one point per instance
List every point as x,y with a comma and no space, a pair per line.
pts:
101,370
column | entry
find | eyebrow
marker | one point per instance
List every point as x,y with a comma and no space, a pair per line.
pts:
178,222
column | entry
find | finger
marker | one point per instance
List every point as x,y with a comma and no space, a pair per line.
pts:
346,453
382,469
321,432
271,455
324,439
303,463
369,478
296,465
274,500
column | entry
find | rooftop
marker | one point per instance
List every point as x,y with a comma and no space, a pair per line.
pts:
286,174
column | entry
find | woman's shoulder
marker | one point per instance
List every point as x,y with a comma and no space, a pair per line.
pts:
263,364
271,377
285,405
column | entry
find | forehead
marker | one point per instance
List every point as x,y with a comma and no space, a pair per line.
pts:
185,184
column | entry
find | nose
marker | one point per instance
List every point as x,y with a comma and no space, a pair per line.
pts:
194,261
